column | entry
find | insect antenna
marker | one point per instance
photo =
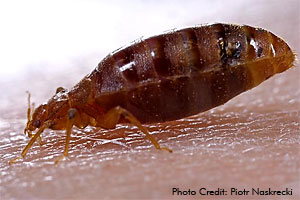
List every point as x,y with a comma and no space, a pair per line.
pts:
30,110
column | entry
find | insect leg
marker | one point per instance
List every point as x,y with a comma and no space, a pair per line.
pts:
71,117
112,117
30,143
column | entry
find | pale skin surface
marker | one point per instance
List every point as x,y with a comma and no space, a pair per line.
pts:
252,141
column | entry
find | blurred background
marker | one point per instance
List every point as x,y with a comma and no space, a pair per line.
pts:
251,141
56,34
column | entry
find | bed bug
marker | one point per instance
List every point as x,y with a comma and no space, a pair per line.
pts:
162,78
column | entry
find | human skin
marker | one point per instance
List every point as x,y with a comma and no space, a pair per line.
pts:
253,141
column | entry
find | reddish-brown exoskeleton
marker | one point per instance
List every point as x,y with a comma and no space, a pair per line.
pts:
163,78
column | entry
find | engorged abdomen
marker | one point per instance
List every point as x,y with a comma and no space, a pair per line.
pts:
185,72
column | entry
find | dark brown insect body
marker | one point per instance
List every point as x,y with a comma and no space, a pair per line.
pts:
166,77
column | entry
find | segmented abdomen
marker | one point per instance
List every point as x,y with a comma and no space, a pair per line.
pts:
184,72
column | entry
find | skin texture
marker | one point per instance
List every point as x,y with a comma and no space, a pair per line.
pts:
252,141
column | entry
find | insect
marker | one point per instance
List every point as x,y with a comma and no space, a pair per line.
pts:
162,78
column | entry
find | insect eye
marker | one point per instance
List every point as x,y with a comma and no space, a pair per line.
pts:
37,123
60,89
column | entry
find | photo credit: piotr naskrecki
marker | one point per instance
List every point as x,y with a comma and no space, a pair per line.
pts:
202,191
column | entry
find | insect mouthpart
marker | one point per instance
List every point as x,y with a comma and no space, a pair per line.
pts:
31,126
27,130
